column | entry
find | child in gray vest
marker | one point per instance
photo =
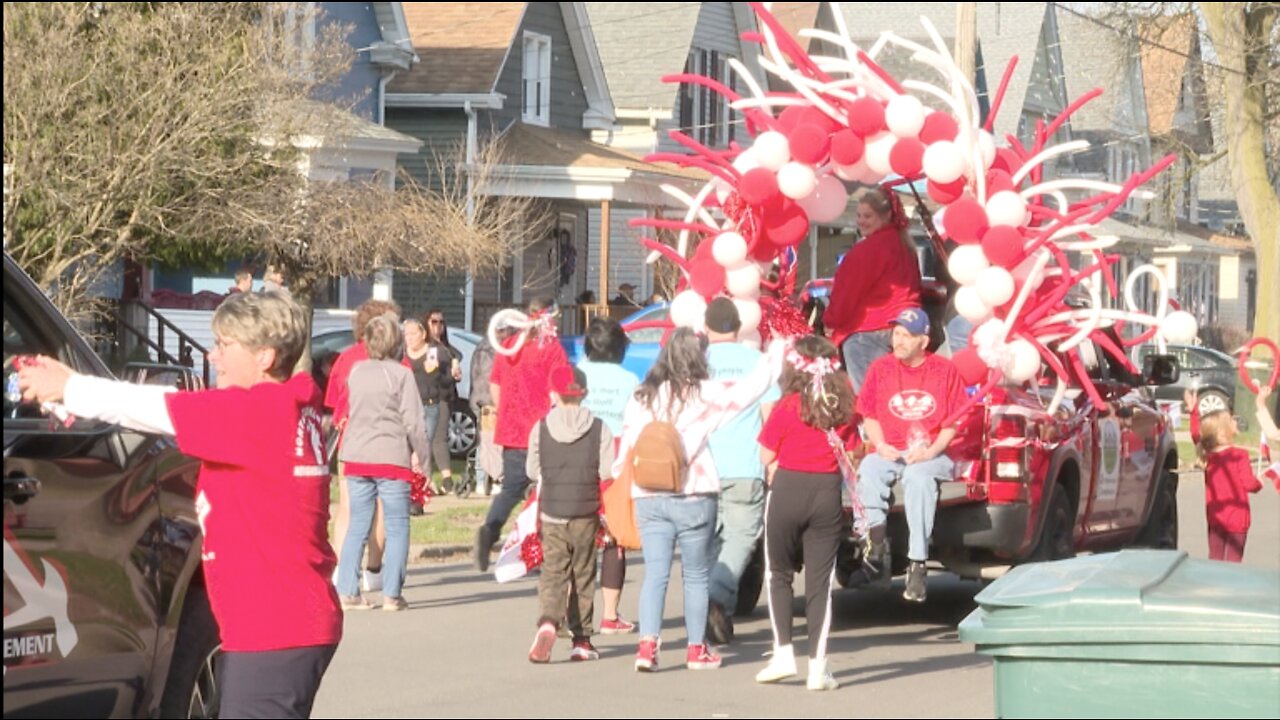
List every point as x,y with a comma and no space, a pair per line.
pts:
570,450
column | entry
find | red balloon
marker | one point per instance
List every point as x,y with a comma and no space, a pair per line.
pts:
1003,246
966,221
939,126
907,157
847,147
764,250
1006,160
814,116
866,116
998,181
810,143
704,250
759,186
790,117
946,193
707,277
970,366
786,224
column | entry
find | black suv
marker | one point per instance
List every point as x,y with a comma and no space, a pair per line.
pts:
105,613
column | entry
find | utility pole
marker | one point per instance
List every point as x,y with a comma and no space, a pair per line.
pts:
967,39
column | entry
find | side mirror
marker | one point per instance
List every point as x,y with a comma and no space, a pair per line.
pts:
182,378
1160,369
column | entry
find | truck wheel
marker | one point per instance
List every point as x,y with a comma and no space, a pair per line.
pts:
1056,541
191,690
1161,530
751,583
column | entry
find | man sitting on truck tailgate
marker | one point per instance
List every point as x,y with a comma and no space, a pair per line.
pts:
904,400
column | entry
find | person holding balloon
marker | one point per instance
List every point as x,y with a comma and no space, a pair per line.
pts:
878,279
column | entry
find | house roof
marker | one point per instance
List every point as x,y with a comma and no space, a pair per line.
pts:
797,16
532,146
1094,56
1004,30
462,46
1165,62
334,126
640,43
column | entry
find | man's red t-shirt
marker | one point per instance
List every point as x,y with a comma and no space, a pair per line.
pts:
337,397
800,447
263,504
907,400
525,382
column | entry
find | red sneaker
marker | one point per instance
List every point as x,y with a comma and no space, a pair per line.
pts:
582,651
702,657
542,644
617,626
647,656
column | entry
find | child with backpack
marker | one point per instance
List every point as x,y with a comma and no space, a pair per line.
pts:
569,451
803,518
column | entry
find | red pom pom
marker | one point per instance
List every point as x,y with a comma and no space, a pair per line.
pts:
966,221
866,116
759,186
809,143
945,194
786,224
998,181
939,126
1006,160
790,117
707,277
970,366
531,551
906,157
847,147
1003,246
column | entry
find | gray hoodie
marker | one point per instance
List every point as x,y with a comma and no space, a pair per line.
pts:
385,424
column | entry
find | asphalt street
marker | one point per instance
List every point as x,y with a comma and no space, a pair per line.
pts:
460,651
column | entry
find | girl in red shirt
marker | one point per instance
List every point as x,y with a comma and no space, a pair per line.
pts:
803,517
1228,480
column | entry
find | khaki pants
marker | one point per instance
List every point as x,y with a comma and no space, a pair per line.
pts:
568,561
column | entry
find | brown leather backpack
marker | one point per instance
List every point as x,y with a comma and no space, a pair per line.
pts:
658,461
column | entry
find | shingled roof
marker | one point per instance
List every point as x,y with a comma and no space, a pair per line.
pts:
634,69
1096,56
462,46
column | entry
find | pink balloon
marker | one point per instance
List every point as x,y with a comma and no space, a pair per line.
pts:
1003,245
906,157
946,193
790,117
786,224
939,126
707,277
866,116
966,220
847,147
827,202
758,186
810,143
998,181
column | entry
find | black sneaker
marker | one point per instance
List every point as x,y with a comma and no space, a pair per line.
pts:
916,582
484,543
719,624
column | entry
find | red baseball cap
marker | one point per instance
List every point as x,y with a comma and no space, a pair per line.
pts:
568,381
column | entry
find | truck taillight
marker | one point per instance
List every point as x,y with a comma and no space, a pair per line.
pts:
1009,451
1009,462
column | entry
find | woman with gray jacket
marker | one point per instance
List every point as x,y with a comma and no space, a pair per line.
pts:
385,441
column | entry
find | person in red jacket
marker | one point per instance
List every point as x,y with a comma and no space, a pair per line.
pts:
878,279
1228,480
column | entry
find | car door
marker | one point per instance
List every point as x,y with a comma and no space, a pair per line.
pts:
1127,444
81,540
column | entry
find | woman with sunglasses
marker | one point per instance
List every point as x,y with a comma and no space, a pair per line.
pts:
437,369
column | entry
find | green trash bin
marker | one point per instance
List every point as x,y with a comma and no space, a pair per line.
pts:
1138,633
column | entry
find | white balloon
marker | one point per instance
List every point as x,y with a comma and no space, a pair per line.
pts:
859,173
943,162
729,250
827,202
966,264
689,309
750,314
905,116
876,155
995,286
1179,328
746,161
970,305
1007,208
772,150
751,339
1023,362
797,180
744,282
987,146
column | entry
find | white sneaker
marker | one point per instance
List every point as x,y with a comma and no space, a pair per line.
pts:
819,678
372,582
781,666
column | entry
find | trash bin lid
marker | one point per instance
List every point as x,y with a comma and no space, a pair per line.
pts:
1131,597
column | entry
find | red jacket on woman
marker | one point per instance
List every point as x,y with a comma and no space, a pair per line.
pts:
878,279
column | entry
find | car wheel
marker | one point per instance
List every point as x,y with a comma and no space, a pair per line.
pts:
463,431
1056,541
1212,401
1161,530
191,690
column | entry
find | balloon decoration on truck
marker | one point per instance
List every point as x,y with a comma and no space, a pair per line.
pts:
1024,246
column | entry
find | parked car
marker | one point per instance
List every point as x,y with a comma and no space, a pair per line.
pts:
105,612
642,353
1211,372
463,429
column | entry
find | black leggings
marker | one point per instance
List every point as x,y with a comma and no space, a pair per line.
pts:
273,683
803,524
613,567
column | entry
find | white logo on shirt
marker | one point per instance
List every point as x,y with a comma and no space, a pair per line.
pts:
203,508
309,434
910,405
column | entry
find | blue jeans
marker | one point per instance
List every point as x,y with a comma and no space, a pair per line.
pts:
876,477
365,491
514,481
739,520
665,520
862,349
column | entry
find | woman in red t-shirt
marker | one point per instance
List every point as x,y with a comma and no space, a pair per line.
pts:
878,278
803,517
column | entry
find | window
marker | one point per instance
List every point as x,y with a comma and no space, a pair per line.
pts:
705,115
536,107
